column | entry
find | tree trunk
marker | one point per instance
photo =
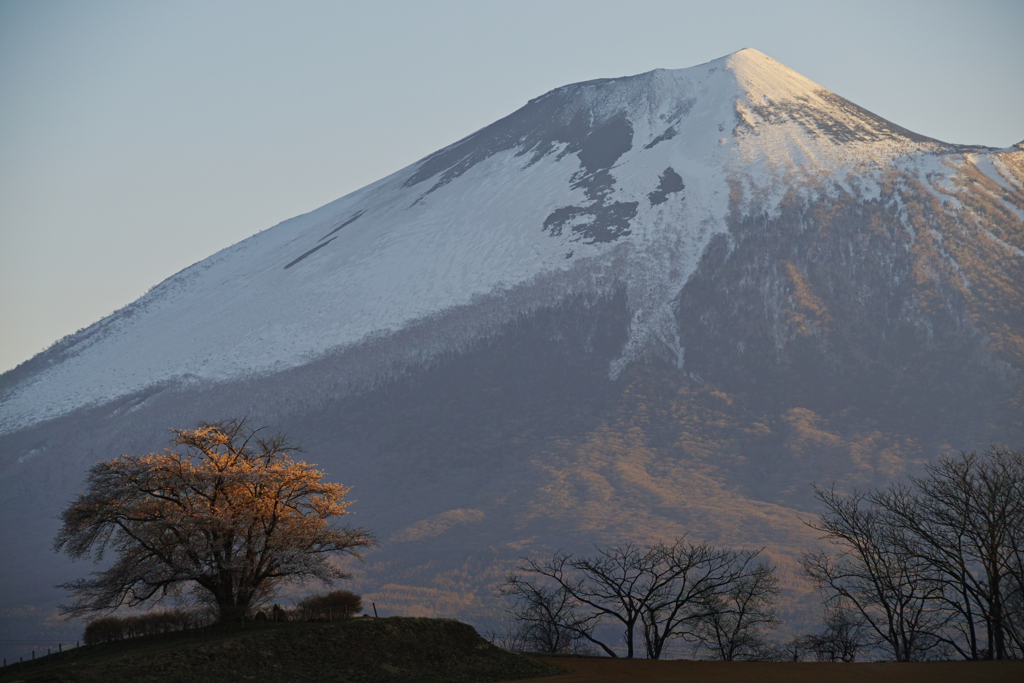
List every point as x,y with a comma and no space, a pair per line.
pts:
232,611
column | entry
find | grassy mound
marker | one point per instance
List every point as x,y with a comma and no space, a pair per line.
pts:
363,649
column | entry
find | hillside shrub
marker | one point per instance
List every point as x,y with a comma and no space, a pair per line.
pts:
333,605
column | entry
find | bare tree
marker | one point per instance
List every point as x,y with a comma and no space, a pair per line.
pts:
734,627
547,618
229,515
1014,604
873,573
694,586
603,587
844,637
510,638
965,519
666,590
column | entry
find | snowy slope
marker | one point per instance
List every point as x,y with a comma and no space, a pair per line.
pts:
635,171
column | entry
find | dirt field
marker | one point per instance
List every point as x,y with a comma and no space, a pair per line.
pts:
601,670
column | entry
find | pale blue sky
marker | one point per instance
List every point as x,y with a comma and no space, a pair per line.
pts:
137,138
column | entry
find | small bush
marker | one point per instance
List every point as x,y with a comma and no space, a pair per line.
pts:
334,605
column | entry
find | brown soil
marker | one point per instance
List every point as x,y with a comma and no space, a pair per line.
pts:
603,670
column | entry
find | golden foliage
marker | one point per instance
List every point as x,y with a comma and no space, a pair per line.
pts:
809,315
230,516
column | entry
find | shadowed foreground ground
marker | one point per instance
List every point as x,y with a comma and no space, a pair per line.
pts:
391,650
412,650
603,670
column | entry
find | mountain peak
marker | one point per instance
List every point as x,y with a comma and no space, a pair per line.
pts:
759,74
774,95
751,54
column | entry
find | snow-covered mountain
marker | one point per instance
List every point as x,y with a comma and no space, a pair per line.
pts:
635,306
635,169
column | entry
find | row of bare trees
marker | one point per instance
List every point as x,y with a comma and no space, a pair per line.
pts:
111,628
930,568
723,600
